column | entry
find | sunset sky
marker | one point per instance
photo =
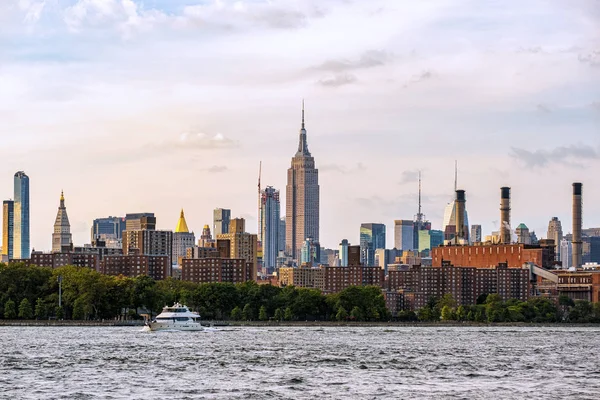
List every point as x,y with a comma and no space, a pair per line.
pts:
158,105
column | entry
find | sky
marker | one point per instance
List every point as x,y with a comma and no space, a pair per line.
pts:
157,105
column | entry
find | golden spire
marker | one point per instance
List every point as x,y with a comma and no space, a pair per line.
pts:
182,225
62,196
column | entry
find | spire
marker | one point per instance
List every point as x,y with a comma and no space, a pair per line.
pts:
181,224
455,176
62,199
303,145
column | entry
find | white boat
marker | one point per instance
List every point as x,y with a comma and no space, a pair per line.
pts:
176,318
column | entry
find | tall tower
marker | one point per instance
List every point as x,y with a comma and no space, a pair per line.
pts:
269,231
183,239
8,223
21,244
302,198
555,233
61,238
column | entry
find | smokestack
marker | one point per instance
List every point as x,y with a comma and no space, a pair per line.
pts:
460,215
505,234
577,223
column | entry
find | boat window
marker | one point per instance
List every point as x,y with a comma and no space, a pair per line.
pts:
181,318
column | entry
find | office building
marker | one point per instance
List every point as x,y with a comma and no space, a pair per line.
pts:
62,242
140,221
270,221
281,234
523,235
344,253
566,253
221,220
386,257
302,198
310,252
429,240
7,229
183,239
239,244
555,233
21,241
476,234
404,234
372,237
108,228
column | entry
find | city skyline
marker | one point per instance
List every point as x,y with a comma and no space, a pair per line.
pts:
516,103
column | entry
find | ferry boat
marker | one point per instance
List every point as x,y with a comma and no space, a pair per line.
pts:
177,318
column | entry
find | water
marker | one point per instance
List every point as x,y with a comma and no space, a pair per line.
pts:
300,363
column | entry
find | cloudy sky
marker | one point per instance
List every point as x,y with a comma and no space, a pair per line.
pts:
155,105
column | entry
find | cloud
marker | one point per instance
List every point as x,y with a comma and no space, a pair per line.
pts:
592,58
423,76
202,141
543,108
369,59
342,169
216,169
596,105
33,10
569,155
409,176
337,80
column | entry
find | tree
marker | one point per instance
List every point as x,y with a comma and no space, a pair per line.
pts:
461,313
60,313
262,314
10,311
447,313
40,309
236,314
342,314
288,315
25,310
565,300
278,314
247,313
356,314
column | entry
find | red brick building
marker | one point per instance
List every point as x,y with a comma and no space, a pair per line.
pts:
156,267
216,269
490,255
56,260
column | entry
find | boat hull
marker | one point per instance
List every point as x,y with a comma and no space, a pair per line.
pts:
158,326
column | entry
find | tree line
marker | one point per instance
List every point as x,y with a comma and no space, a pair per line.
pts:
28,292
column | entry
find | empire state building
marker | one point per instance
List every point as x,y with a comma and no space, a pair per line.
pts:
302,198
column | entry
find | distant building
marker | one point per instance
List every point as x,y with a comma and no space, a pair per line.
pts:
310,252
239,244
108,228
523,235
344,253
404,234
7,229
385,257
281,233
21,238
476,234
221,220
211,270
140,221
270,221
490,255
555,233
302,198
566,253
59,259
154,266
429,240
148,243
450,221
62,242
183,239
372,237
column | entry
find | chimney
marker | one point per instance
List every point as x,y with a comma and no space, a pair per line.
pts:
460,215
505,234
577,223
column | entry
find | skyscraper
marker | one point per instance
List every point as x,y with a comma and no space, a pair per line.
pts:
221,219
62,241
139,221
240,244
7,229
566,253
183,239
281,234
21,244
475,234
555,233
372,237
270,221
302,198
108,228
404,234
344,253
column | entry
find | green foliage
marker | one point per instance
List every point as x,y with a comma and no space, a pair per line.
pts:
40,309
278,315
447,314
25,310
342,314
461,313
356,314
288,315
262,314
236,314
10,311
247,313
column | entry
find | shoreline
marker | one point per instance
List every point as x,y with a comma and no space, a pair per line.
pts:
309,324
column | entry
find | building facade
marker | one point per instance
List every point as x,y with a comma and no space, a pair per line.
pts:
372,237
555,233
270,210
7,229
344,252
183,239
210,270
156,267
108,228
429,240
476,234
62,242
302,198
566,253
404,234
148,243
239,244
140,221
21,239
489,256
221,220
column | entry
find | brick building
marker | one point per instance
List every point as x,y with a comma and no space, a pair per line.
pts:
330,279
216,269
56,260
156,267
489,255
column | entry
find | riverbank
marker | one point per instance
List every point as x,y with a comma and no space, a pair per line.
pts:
314,324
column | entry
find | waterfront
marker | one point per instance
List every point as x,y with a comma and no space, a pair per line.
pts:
300,362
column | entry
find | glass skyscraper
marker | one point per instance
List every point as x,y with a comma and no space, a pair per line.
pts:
372,237
21,243
270,222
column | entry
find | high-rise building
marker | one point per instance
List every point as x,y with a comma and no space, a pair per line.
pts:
310,252
404,234
270,218
281,233
140,221
21,243
206,239
239,244
183,239
372,237
7,229
555,233
302,198
450,229
108,228
344,253
566,253
62,242
385,257
429,240
149,243
221,220
523,235
475,234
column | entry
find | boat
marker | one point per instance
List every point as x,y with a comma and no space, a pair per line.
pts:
175,318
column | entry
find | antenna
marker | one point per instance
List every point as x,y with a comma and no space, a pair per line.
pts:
302,113
455,175
259,202
419,193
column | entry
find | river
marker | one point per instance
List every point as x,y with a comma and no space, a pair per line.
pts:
300,363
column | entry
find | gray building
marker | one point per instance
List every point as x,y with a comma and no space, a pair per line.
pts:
555,233
270,221
344,253
475,234
62,242
404,234
110,227
221,219
21,239
281,235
